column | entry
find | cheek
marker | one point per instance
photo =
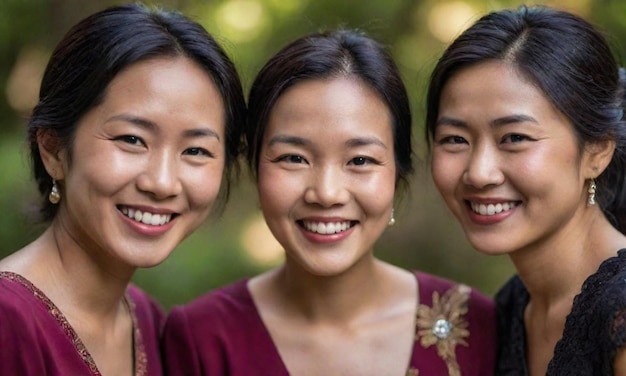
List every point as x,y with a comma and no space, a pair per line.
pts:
104,168
276,190
376,192
445,171
98,179
203,187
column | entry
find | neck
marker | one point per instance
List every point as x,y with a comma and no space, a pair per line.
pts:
338,298
78,283
555,270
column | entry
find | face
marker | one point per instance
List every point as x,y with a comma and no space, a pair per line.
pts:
327,173
506,162
146,164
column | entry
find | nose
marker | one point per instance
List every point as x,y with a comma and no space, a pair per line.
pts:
160,177
483,169
327,187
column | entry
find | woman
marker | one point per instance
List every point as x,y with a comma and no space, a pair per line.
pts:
525,120
136,124
328,138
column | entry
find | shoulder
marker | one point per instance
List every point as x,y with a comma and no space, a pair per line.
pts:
605,291
474,310
31,327
19,305
430,285
222,323
215,313
223,303
595,329
469,321
606,296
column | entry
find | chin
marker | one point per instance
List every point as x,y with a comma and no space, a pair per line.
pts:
328,269
147,260
490,249
148,264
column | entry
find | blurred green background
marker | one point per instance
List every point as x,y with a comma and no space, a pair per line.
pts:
238,244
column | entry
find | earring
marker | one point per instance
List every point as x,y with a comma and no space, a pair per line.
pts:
591,200
392,220
54,197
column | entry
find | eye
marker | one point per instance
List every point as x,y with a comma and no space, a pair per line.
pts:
515,138
130,139
291,158
361,161
198,152
452,140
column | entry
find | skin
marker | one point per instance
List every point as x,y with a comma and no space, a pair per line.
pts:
332,308
499,140
155,144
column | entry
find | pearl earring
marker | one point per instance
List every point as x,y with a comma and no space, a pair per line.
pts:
591,200
54,197
392,220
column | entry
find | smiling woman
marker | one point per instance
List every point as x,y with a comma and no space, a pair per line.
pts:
329,143
526,123
138,121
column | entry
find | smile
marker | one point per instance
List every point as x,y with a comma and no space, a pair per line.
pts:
147,218
492,209
326,228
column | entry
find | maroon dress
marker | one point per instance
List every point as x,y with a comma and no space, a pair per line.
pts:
221,333
36,339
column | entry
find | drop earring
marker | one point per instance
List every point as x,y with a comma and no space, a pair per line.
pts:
392,220
54,197
591,200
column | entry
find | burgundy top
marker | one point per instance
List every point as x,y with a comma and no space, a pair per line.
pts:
36,339
221,333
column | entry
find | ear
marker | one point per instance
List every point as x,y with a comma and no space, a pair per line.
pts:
597,157
52,153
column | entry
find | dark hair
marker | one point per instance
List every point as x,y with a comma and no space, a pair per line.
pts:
325,55
566,58
96,49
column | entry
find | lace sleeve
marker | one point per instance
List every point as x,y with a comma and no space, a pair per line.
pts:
596,327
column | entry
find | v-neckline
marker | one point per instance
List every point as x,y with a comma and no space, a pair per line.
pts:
139,358
270,340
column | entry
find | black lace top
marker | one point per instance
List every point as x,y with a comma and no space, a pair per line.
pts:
594,330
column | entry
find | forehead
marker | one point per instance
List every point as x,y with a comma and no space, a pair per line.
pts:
493,89
495,77
161,94
329,103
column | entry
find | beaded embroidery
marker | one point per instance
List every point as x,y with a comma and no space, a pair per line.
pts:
140,354
444,325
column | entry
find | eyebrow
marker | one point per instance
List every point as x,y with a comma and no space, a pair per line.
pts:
286,139
511,119
365,141
152,127
299,141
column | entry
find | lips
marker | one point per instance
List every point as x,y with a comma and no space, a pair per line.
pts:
326,228
145,217
492,209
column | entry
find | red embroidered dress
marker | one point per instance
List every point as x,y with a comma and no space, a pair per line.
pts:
36,338
221,333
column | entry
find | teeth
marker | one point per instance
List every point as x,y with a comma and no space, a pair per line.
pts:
492,209
147,217
326,228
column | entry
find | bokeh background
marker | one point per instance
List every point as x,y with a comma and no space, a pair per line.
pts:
238,244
